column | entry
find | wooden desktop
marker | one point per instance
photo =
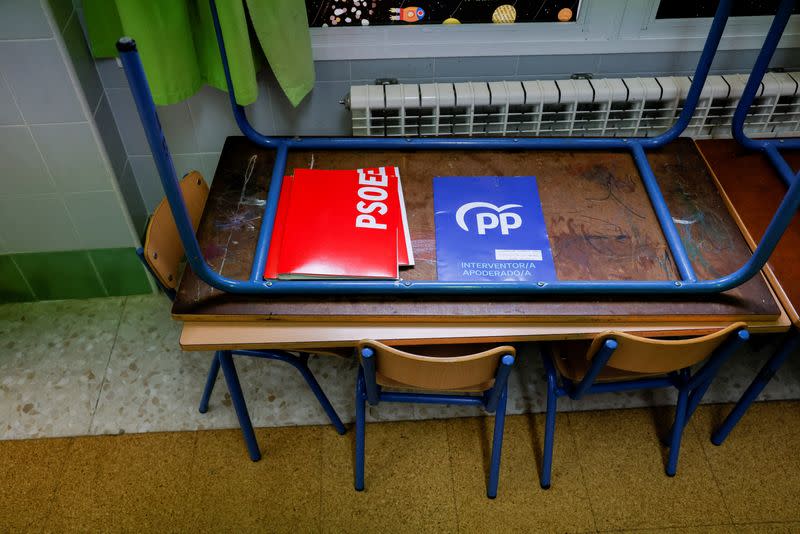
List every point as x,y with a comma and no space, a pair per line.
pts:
599,220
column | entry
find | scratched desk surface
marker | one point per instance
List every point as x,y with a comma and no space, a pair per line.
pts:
755,191
599,220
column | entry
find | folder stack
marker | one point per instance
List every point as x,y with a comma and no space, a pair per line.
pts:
344,224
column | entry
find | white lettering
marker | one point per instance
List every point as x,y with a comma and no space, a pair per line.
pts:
369,221
486,221
364,207
373,193
509,221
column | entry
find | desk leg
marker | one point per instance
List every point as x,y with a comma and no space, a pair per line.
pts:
789,346
237,397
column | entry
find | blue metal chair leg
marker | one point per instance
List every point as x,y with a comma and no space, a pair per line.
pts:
497,444
549,435
235,389
677,430
361,396
695,397
756,387
213,371
321,397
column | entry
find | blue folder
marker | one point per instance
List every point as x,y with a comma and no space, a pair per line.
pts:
490,228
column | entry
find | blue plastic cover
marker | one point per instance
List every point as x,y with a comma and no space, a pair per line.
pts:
490,228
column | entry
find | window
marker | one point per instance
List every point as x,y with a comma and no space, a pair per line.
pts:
595,27
338,13
669,9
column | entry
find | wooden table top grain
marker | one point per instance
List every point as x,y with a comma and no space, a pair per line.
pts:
754,190
599,220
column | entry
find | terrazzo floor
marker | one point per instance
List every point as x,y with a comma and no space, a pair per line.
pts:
113,366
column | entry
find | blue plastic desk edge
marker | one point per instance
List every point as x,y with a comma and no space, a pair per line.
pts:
687,285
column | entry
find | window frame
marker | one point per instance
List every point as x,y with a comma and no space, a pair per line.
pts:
602,27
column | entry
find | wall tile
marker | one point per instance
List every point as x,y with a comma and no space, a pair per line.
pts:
99,219
61,10
260,112
82,61
176,120
213,118
146,175
23,19
455,67
210,162
36,223
13,287
319,114
9,113
372,69
121,271
787,58
133,200
185,163
73,157
732,61
111,74
556,66
23,168
60,275
107,128
127,119
332,71
658,64
36,72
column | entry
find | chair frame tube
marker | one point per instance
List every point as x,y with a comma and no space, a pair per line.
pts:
687,284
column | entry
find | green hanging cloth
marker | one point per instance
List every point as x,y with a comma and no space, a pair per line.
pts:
282,30
178,46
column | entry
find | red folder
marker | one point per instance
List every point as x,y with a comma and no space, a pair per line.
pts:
339,224
271,269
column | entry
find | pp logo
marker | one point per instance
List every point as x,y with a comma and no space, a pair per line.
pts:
487,220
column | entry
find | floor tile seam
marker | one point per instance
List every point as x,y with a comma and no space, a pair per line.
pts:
108,363
192,463
580,469
452,474
320,510
677,529
744,523
698,436
51,502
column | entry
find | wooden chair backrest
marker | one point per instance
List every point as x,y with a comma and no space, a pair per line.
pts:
439,373
643,355
163,249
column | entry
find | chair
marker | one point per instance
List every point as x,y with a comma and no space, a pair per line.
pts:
616,361
479,379
162,254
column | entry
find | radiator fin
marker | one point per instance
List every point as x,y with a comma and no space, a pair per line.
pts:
612,107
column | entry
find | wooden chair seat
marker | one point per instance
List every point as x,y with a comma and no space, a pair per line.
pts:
395,385
569,358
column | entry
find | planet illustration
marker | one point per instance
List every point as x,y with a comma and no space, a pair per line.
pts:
565,15
451,21
505,14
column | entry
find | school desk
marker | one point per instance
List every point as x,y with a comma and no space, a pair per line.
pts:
751,188
599,220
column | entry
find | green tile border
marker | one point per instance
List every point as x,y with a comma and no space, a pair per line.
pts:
13,286
74,274
121,271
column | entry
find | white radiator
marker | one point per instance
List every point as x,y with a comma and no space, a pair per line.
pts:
613,107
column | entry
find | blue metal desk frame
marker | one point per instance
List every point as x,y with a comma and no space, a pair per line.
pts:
688,283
